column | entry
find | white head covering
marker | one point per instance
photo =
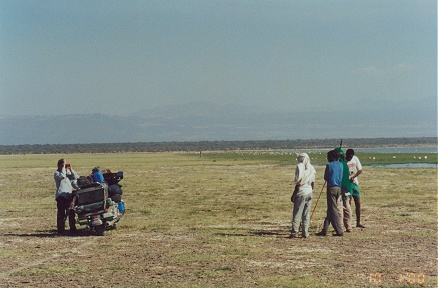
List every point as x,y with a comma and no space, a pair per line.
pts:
304,171
303,158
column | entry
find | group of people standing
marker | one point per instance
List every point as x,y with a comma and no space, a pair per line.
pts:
340,175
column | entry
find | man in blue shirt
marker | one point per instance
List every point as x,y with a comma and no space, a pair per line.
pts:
333,175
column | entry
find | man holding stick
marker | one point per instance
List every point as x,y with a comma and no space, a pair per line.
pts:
346,190
333,176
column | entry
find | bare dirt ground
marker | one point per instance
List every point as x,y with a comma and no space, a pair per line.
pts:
382,258
189,245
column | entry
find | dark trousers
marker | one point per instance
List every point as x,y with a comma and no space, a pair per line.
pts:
63,204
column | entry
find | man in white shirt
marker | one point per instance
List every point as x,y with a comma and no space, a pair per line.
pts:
355,168
64,196
302,197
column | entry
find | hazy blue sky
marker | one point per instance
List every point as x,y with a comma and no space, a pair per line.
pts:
119,57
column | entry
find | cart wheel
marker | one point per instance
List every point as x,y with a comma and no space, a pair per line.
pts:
100,230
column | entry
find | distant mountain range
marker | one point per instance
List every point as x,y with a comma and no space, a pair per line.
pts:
203,121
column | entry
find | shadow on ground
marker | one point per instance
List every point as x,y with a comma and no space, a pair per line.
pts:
51,233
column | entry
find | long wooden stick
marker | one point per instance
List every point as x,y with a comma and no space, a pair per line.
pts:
314,208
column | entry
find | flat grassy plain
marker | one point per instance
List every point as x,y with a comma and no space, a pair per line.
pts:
220,220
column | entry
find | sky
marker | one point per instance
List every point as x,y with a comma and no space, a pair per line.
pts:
120,57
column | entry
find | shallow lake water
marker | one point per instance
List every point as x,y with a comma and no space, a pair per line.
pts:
395,150
424,150
407,165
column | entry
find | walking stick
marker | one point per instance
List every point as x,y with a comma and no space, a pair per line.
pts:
314,208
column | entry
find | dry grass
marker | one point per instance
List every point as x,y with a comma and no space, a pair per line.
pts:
202,222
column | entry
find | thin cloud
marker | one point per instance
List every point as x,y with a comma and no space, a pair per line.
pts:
377,71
